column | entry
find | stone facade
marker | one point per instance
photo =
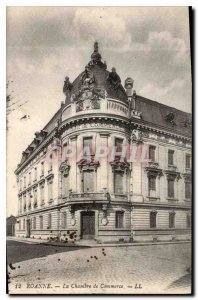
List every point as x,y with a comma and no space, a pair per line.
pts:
145,196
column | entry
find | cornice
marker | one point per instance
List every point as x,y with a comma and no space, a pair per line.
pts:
129,122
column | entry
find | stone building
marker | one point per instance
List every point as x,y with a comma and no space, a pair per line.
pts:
132,183
10,225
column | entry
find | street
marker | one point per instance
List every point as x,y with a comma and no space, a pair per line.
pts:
18,251
44,269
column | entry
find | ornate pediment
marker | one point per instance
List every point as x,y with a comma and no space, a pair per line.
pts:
118,165
173,175
152,169
88,164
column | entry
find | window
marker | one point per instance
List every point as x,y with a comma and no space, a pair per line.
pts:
20,185
118,182
19,224
171,157
172,220
119,219
63,219
23,224
88,144
49,221
41,222
30,178
188,190
188,161
153,216
50,191
42,193
152,153
88,181
24,202
65,184
118,144
24,182
35,198
35,173
170,188
42,168
50,162
188,221
152,183
20,205
34,223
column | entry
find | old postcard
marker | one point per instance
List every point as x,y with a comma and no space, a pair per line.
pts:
99,135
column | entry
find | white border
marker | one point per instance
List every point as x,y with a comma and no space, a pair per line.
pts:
3,4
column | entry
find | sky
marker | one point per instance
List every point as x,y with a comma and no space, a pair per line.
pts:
45,44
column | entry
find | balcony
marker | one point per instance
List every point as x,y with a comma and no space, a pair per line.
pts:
117,197
188,171
93,105
152,165
172,168
83,197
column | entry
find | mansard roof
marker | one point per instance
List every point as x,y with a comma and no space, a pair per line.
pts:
164,116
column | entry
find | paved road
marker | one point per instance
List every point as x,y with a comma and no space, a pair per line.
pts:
19,251
157,269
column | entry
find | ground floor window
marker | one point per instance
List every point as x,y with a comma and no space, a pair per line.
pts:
63,219
119,219
41,222
172,220
19,224
188,221
49,221
23,224
153,217
187,190
34,223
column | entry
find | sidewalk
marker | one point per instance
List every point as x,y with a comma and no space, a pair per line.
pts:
90,243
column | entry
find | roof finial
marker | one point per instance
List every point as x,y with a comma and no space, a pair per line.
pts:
96,47
95,55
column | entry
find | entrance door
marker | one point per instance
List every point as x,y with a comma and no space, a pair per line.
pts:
28,228
88,225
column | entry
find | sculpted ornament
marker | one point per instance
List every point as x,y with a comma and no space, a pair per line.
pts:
136,136
67,86
87,80
64,169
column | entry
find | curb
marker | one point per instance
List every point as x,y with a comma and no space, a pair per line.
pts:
116,245
135,244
